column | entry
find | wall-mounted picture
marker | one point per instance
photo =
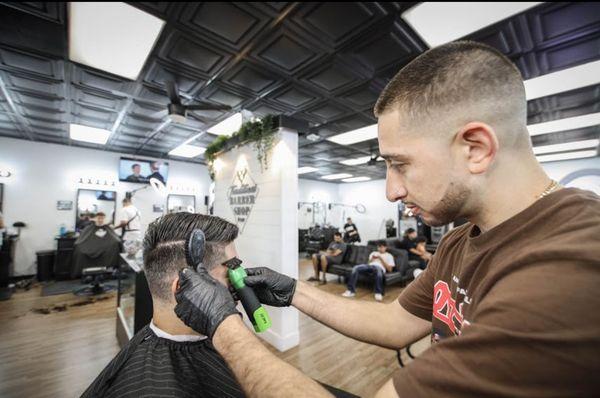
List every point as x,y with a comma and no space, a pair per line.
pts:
142,170
158,208
64,205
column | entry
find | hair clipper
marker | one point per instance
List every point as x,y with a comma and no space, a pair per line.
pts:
255,311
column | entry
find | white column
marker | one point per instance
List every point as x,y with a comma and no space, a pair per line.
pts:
263,203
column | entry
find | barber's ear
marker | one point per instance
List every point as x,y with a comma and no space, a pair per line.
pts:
480,145
174,285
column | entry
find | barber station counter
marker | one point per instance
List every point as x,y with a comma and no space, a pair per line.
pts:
134,302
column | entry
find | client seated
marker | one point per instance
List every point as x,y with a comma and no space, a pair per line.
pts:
166,358
97,246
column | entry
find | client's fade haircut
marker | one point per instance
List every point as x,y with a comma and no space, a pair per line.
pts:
164,247
465,79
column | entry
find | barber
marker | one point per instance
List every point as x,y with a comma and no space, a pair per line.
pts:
511,299
130,221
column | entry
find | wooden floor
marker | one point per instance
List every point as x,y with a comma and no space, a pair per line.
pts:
55,346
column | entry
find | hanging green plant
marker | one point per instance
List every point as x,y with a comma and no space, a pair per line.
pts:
260,132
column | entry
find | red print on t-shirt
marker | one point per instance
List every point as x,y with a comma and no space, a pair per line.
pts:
444,307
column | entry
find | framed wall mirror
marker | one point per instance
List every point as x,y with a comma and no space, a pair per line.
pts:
179,203
91,202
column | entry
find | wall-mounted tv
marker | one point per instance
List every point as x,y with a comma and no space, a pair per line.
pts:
142,170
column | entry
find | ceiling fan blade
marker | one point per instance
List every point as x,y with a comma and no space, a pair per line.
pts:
159,114
172,92
208,107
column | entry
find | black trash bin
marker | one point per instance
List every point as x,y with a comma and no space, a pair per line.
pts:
45,265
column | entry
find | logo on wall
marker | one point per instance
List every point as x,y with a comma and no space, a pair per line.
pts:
242,195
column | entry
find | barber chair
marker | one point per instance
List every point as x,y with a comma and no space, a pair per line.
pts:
95,287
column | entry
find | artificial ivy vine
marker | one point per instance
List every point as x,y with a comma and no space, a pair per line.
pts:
260,132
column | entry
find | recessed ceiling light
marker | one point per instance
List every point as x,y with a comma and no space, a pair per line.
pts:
354,162
114,37
354,136
571,123
306,169
563,80
567,156
336,176
439,23
567,146
313,137
228,126
88,134
187,151
356,179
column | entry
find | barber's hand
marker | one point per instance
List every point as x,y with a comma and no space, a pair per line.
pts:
271,288
202,302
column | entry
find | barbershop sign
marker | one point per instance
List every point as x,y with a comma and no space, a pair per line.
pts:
242,196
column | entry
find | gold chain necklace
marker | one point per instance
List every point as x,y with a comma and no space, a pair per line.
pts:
551,188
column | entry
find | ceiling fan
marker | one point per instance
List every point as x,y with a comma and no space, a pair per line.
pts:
177,111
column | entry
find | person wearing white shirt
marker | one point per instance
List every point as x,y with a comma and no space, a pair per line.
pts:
130,221
380,262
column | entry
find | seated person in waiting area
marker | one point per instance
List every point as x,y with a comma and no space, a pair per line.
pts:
334,255
380,262
167,358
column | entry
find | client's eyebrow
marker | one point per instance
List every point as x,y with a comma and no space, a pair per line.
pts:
396,157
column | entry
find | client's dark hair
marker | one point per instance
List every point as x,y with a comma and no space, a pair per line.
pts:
133,166
164,247
382,243
409,231
421,239
337,234
100,214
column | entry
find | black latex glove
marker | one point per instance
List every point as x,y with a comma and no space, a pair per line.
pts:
271,288
202,302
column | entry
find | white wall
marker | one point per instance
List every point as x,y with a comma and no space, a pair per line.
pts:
45,173
371,194
560,170
317,191
270,235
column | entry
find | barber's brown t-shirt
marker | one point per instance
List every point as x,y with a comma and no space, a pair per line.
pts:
515,311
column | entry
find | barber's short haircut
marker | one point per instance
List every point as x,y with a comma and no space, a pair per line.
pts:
164,247
421,239
382,243
100,214
338,234
409,231
465,81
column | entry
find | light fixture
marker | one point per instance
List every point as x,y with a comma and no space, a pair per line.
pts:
306,169
336,176
567,156
187,151
313,137
5,173
571,123
356,179
114,37
439,23
228,126
567,146
356,161
563,80
94,135
354,136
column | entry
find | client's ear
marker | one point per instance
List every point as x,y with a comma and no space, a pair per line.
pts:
174,285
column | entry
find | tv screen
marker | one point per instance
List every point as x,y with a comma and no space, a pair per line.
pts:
141,170
105,195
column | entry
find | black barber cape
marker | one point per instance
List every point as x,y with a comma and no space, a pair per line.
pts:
95,247
150,366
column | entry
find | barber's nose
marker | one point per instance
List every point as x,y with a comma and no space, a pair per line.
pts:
394,188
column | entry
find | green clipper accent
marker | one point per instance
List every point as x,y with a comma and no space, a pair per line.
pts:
237,276
261,320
